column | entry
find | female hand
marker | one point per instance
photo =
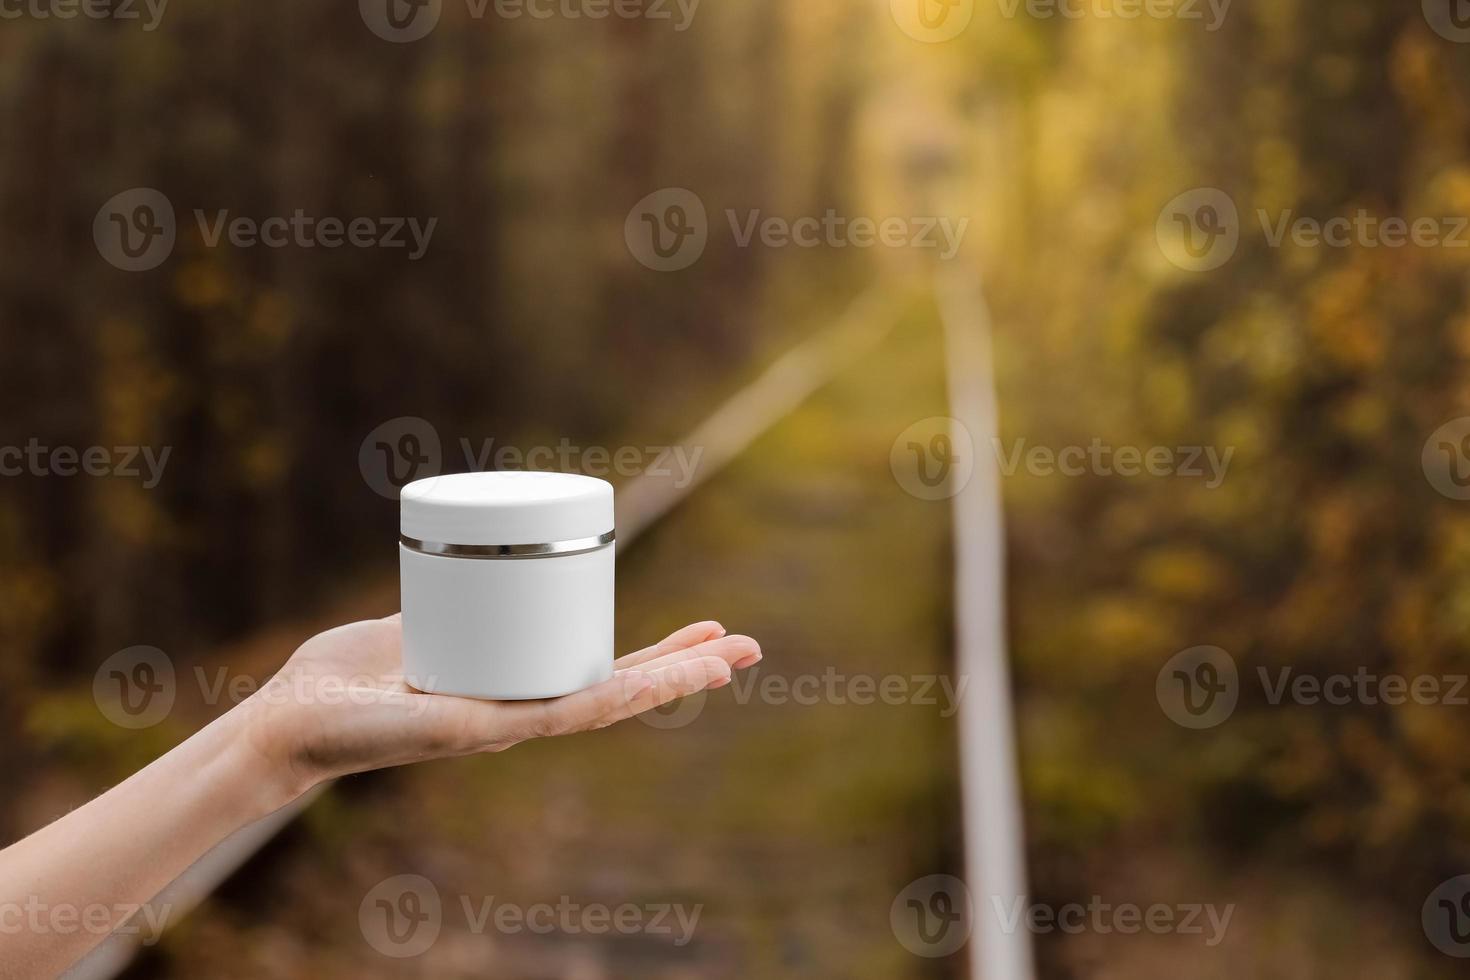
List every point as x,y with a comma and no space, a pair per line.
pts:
341,705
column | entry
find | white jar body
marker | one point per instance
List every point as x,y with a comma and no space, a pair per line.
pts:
507,628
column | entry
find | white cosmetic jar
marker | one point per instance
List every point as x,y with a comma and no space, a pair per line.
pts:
507,582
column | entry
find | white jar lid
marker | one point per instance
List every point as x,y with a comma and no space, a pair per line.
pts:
506,508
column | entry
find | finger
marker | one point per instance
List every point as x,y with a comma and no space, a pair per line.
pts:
670,683
583,710
681,680
678,640
631,692
738,651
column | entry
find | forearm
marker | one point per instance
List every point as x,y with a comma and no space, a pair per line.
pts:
338,706
64,888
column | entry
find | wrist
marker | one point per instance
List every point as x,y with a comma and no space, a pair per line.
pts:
259,759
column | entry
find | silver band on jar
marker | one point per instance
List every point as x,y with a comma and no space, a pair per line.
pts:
550,549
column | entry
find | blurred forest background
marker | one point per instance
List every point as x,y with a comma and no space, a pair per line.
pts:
1061,138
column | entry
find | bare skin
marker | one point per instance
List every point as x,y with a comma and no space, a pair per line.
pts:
338,706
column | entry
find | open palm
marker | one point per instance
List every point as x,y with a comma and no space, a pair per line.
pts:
341,705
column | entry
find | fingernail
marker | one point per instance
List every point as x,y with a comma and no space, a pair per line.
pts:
718,684
719,630
749,661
